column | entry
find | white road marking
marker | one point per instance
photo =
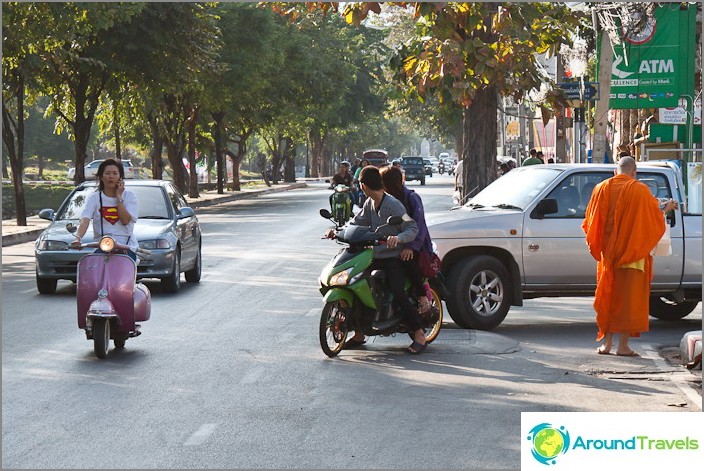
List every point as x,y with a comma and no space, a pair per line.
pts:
201,435
28,290
252,376
313,312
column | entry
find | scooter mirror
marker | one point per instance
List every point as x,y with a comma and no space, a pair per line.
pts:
325,213
71,228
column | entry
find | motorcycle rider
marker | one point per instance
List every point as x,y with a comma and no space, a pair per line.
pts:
112,208
375,212
344,177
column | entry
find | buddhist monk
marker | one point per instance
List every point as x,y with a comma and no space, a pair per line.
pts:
623,223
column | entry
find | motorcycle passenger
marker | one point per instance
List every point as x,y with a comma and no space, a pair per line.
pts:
344,177
392,180
375,212
112,208
359,194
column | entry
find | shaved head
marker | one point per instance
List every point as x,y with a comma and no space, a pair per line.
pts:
627,165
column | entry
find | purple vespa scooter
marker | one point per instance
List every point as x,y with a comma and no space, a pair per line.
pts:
110,301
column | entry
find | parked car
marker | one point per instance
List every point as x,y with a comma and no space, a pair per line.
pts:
166,226
414,168
428,167
91,168
521,237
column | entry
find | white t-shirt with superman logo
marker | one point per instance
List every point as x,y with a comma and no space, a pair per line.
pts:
111,224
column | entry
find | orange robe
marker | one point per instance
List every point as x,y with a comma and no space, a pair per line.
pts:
623,223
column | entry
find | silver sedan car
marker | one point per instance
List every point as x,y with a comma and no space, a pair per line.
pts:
167,227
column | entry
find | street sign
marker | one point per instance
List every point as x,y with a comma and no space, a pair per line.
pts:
572,89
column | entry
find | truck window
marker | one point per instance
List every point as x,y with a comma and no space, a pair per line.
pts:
574,192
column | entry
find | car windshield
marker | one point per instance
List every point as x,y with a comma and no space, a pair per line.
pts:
152,203
516,189
412,161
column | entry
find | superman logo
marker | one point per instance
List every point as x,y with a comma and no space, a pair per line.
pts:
109,213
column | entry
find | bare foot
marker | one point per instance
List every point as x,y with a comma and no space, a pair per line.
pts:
603,350
627,353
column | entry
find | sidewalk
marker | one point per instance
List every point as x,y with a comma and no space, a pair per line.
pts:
13,234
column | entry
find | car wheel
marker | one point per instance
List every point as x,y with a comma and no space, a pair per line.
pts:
480,290
45,285
172,283
422,181
193,275
666,309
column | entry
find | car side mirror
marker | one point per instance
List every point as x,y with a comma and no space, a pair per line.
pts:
546,206
47,214
186,212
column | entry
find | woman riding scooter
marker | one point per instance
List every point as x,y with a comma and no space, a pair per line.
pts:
112,208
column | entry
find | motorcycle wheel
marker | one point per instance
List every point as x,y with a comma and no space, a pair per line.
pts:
101,337
333,328
432,330
340,216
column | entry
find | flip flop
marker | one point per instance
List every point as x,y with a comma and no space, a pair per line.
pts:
632,353
602,351
352,343
416,347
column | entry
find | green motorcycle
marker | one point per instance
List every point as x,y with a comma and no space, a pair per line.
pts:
358,299
341,204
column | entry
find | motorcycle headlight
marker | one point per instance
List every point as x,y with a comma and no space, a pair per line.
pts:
341,279
52,245
154,244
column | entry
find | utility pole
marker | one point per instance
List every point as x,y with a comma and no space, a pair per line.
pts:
560,137
602,104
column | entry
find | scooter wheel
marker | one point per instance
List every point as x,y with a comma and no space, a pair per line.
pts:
120,340
101,337
333,328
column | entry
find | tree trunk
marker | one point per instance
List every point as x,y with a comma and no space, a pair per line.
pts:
289,152
174,121
218,136
316,150
40,167
193,174
14,141
155,154
116,129
479,141
84,118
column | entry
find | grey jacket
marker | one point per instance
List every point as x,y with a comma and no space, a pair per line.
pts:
375,217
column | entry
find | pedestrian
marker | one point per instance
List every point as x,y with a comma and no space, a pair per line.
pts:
392,179
533,159
623,224
458,196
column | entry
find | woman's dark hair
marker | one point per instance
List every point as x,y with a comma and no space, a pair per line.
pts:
362,164
101,168
371,178
392,179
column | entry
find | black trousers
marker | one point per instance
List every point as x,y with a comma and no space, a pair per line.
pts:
412,268
395,277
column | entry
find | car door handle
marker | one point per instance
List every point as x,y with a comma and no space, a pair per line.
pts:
533,247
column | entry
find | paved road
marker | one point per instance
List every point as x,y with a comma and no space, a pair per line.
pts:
229,373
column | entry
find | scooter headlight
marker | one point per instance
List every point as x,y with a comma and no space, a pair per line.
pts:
341,279
107,244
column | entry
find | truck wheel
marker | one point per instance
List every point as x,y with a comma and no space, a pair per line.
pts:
666,309
480,290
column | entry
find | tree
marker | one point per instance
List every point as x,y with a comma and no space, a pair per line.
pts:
469,53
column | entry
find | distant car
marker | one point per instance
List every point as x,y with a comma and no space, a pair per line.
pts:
376,157
166,226
414,168
434,161
428,167
444,156
91,169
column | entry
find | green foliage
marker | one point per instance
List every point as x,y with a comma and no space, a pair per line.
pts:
37,197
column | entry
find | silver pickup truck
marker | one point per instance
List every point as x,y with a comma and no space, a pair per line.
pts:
521,238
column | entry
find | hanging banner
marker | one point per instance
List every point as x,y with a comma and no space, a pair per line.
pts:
653,68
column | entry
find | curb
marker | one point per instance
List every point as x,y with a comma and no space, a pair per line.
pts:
31,234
